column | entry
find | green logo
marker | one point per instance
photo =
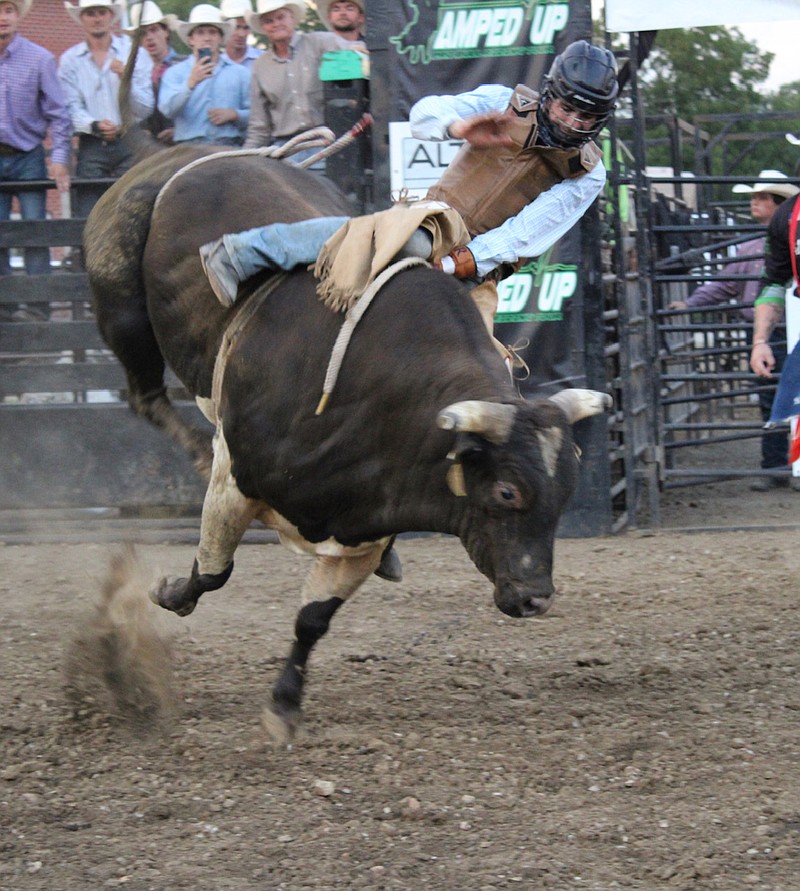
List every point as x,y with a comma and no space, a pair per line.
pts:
482,28
537,292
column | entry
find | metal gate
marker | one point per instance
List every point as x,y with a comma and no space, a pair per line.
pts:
67,436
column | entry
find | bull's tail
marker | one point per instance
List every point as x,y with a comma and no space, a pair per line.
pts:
141,142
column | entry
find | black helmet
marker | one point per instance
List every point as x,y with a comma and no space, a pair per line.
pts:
584,77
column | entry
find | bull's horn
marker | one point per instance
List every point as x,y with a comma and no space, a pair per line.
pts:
577,404
492,420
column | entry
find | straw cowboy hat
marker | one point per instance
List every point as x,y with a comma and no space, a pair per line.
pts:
235,9
297,8
142,15
769,181
203,14
83,5
323,8
23,6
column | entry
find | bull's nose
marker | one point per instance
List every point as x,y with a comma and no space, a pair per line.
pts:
523,605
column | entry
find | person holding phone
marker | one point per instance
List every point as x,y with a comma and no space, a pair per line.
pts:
207,95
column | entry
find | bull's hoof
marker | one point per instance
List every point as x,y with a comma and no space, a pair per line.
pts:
175,596
181,596
280,725
390,568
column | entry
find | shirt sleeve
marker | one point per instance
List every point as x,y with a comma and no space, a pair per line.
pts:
243,110
142,99
431,116
55,112
540,224
778,260
259,129
68,75
174,92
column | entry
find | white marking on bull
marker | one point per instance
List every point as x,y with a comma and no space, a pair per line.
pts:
227,513
550,441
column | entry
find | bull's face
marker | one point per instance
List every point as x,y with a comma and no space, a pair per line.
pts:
517,467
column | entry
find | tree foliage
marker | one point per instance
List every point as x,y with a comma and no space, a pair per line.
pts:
713,70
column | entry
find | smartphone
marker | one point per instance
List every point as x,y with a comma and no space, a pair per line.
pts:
204,53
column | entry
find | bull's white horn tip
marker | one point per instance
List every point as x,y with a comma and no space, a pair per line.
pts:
446,420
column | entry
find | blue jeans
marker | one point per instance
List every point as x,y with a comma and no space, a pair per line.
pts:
19,168
774,446
280,245
96,159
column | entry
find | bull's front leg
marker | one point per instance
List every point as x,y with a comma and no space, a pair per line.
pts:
226,516
331,581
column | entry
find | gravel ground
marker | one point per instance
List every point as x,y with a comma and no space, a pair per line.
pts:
643,735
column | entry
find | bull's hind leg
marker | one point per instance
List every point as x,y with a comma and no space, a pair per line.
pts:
331,581
226,516
126,329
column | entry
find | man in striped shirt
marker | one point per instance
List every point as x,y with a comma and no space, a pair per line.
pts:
90,74
31,102
526,174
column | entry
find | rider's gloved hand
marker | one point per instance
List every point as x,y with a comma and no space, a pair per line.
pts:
459,262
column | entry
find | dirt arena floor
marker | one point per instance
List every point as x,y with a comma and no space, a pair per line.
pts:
645,734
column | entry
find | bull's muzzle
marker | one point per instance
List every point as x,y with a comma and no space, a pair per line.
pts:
524,603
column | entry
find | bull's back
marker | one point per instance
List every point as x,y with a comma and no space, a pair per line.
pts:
115,236
420,346
223,194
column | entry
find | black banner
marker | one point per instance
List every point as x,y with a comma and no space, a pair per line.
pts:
453,46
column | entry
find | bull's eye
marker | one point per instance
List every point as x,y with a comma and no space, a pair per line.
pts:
507,494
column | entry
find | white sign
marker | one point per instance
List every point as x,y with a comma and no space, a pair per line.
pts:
633,15
417,164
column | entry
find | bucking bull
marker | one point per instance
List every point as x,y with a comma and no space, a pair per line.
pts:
424,430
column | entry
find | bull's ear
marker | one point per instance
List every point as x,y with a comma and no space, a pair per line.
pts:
467,445
578,404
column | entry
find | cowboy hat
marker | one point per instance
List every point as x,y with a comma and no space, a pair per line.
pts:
235,9
83,5
297,8
323,10
203,14
769,181
146,13
23,6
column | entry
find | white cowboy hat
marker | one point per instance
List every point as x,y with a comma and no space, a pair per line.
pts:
146,13
83,5
235,9
203,14
769,181
297,8
23,6
323,10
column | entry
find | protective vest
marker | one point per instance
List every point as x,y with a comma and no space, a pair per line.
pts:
488,186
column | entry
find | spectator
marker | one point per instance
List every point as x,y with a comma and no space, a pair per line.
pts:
90,74
33,102
155,41
780,269
237,47
344,18
766,196
286,92
206,95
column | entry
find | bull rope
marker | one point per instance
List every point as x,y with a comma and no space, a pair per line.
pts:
352,318
319,136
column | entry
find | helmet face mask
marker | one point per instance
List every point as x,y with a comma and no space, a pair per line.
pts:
584,79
